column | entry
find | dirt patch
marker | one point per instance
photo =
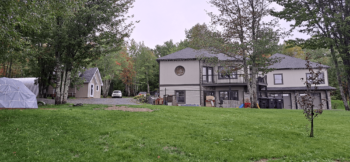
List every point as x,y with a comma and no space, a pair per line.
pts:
169,148
124,108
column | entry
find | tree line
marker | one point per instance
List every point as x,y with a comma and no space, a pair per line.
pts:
55,40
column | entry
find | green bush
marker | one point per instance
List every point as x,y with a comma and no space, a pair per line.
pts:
141,98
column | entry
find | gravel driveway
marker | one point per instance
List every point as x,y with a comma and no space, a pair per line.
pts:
102,101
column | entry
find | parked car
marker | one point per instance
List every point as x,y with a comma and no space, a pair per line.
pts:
117,93
143,93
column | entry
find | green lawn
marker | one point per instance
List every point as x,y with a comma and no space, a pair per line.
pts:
171,134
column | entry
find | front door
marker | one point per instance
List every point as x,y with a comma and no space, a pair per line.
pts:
287,101
92,91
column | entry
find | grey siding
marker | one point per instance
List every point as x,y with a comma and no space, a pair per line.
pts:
168,76
292,77
192,93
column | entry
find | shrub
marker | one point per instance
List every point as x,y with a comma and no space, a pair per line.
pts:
141,98
334,105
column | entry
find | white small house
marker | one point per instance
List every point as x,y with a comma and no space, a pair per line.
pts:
91,87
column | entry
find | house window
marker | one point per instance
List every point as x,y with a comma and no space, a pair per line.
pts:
179,70
227,72
181,97
92,90
320,78
278,78
207,74
96,88
228,95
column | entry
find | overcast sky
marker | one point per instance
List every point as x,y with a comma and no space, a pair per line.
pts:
162,20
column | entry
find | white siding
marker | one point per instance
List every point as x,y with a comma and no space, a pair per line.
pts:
292,77
192,93
168,76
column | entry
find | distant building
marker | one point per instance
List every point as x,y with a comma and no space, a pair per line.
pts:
91,87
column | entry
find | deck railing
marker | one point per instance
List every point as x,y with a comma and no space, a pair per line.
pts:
231,79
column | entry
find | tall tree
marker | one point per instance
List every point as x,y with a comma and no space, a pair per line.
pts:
328,22
145,65
128,73
165,49
294,51
110,66
244,36
79,37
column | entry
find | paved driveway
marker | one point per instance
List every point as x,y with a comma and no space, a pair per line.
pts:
103,101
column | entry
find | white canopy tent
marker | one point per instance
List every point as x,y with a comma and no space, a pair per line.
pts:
30,83
14,94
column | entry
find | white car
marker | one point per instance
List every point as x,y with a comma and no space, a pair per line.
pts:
117,93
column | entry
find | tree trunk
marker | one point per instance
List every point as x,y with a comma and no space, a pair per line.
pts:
47,84
58,85
312,121
246,76
63,85
66,87
147,82
339,79
253,93
58,100
105,87
4,70
46,90
127,89
9,74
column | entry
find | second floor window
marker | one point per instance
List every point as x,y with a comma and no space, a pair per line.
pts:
207,74
278,78
227,72
320,78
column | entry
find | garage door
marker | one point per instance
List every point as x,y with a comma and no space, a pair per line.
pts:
317,100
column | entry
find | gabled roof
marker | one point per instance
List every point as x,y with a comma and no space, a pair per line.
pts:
288,62
89,74
192,54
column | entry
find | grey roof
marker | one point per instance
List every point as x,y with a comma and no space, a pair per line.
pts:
288,62
192,54
88,74
319,88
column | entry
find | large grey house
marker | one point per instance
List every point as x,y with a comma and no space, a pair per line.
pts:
191,79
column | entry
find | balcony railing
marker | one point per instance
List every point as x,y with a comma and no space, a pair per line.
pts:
232,79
